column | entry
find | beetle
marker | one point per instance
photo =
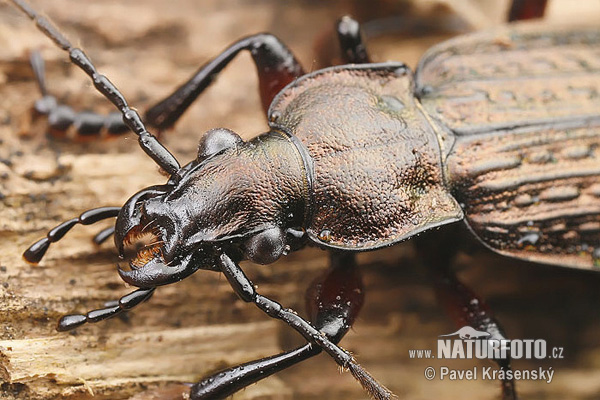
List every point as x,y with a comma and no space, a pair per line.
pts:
63,120
428,170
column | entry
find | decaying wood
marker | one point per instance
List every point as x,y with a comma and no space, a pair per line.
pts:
197,326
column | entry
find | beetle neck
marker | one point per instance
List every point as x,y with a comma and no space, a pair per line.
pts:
287,178
303,160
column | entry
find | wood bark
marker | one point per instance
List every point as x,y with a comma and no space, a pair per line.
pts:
198,326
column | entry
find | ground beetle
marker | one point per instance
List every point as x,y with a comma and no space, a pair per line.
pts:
362,156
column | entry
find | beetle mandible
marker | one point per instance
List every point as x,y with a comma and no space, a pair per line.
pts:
401,156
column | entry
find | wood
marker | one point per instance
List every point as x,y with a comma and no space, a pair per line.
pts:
192,328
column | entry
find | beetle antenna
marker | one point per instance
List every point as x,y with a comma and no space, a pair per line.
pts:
148,142
125,303
36,251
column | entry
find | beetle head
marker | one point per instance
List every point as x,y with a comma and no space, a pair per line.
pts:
240,197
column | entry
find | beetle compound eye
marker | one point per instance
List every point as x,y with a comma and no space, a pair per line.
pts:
265,247
217,140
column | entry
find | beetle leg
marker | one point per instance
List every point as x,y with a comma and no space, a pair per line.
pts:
229,381
38,67
275,64
125,303
345,46
36,251
351,42
245,290
526,9
333,302
61,118
148,142
466,308
463,305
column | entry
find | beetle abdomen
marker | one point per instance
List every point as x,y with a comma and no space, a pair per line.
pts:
523,107
377,164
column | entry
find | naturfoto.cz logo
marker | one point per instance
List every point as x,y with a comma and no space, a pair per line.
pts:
469,343
480,345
